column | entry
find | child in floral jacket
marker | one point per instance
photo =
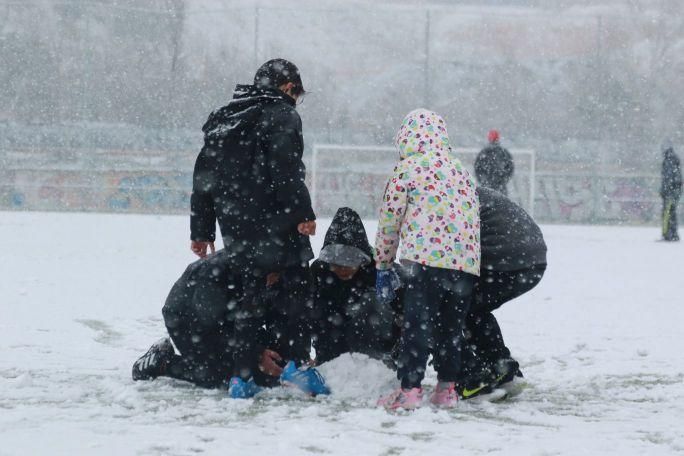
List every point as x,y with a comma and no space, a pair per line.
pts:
430,205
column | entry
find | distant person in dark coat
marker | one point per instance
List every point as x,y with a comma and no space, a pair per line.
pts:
513,262
494,165
249,176
346,316
670,191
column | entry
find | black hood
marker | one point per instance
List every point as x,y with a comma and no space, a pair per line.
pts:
509,237
670,155
240,115
346,241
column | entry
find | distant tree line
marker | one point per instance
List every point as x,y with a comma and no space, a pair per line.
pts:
165,64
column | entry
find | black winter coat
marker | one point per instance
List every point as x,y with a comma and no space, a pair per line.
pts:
671,185
510,239
203,295
346,316
206,299
494,167
250,176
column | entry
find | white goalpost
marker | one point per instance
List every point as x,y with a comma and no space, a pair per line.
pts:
355,176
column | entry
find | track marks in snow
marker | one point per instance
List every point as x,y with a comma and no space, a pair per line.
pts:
105,334
394,451
314,449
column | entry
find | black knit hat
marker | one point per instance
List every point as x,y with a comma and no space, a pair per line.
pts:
277,72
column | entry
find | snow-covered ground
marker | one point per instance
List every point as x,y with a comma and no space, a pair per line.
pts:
599,341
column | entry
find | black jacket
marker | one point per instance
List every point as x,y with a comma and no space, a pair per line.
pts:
494,167
346,316
206,300
250,176
202,296
671,185
510,239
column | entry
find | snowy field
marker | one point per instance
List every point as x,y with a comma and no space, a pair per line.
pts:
599,341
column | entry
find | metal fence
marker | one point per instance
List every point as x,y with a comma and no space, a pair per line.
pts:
160,183
354,175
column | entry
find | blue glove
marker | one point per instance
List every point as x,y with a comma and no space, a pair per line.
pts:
386,284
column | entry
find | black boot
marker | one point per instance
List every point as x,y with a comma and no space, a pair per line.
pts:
505,370
477,381
153,363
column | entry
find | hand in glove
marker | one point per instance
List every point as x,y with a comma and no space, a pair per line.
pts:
386,284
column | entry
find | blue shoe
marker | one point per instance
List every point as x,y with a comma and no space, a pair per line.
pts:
240,389
308,380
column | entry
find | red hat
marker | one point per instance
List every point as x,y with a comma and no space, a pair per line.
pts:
493,136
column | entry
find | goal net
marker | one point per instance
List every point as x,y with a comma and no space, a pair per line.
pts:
355,176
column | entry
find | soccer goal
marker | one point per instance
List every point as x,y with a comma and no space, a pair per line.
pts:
355,176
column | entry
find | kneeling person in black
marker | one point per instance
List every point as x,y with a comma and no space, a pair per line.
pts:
201,315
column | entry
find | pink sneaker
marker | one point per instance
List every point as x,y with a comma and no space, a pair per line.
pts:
445,395
406,399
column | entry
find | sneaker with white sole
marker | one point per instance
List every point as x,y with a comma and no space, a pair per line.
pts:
506,369
153,363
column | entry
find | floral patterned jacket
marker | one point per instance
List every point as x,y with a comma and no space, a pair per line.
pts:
429,203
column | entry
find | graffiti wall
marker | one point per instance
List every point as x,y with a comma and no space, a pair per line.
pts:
120,184
557,198
104,191
597,198
162,184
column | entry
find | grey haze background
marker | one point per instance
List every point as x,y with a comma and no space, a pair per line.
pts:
89,89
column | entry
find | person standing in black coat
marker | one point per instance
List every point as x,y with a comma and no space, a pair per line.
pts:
346,316
670,191
513,262
494,165
250,177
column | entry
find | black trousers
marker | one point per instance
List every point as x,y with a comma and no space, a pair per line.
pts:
281,311
670,219
483,334
436,302
206,356
261,318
